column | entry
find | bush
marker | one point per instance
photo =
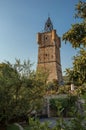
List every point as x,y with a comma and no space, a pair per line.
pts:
12,127
76,123
64,106
64,89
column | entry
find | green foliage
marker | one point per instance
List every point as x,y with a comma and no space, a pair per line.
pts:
36,125
84,95
8,76
53,86
66,80
80,91
77,37
77,74
76,123
64,89
81,9
79,66
12,127
64,106
77,34
21,91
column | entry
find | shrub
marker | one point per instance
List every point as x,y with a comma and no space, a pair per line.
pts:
64,106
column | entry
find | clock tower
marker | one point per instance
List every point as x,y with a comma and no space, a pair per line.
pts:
49,52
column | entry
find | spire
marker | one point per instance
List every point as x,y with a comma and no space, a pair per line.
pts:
48,25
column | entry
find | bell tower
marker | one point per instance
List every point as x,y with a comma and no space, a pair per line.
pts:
49,52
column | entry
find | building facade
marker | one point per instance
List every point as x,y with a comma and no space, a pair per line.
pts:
49,52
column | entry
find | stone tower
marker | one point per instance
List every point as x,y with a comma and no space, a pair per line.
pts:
49,52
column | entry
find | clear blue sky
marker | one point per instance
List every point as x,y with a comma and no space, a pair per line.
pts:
21,20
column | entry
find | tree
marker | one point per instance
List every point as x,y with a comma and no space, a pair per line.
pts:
21,90
77,74
77,34
8,82
77,37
